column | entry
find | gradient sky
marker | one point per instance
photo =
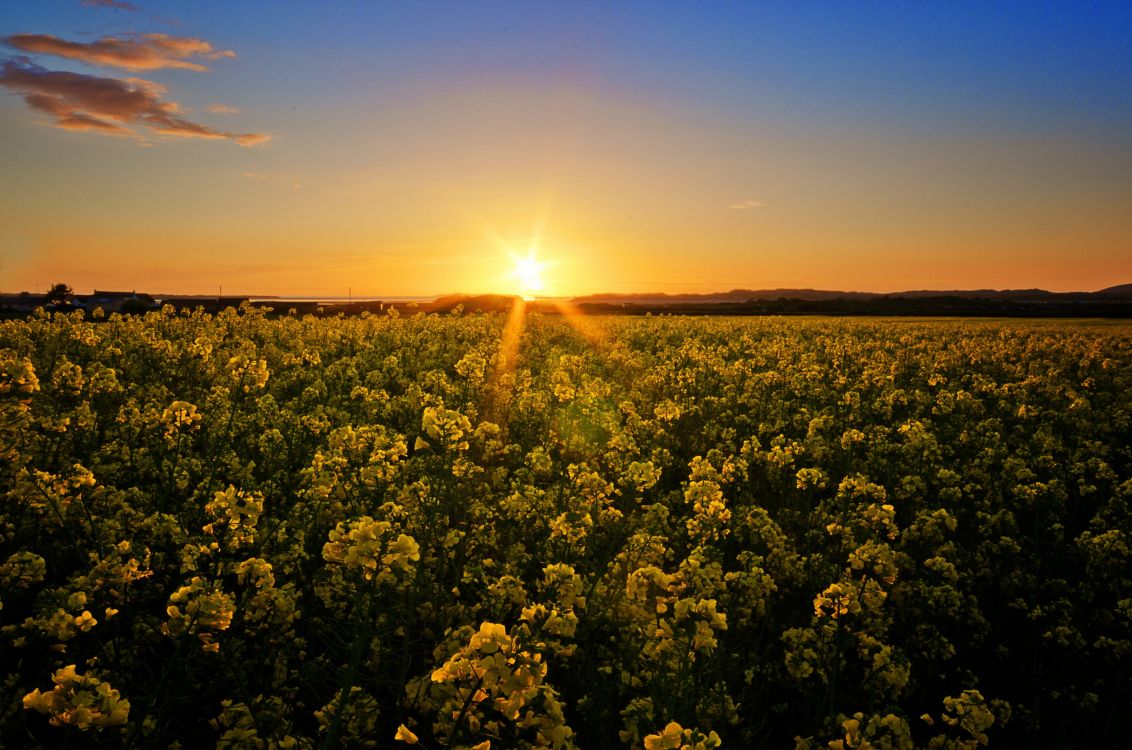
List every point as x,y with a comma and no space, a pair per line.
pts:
396,148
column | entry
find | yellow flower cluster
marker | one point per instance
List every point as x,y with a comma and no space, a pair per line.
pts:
201,608
178,416
494,687
369,547
234,515
17,376
446,428
249,374
80,701
676,737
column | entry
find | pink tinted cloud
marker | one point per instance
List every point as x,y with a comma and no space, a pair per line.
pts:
133,52
110,4
107,105
222,109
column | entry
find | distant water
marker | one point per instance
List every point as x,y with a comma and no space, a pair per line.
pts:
342,300
389,298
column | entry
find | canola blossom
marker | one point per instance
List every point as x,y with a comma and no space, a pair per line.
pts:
456,531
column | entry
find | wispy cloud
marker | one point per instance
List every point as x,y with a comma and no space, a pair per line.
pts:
110,4
222,109
132,52
746,205
106,105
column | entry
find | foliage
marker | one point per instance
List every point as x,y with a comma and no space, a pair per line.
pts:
58,293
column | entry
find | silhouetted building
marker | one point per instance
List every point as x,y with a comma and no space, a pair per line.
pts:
24,302
119,301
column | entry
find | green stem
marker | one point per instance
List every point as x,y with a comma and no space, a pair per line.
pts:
357,650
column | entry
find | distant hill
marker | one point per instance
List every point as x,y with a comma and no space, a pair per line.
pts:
1123,291
735,296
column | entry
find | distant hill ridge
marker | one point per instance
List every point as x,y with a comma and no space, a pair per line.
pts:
1121,292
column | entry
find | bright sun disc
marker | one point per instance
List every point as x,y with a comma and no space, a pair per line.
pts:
528,272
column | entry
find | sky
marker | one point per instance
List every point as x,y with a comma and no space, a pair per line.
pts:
373,147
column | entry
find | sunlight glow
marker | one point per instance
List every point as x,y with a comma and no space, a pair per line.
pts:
498,396
590,329
528,273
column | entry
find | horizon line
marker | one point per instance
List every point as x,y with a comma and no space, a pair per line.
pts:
337,296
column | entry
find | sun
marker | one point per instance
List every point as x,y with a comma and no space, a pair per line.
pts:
527,273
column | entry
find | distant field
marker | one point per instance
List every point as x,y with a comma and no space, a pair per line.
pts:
487,531
1114,323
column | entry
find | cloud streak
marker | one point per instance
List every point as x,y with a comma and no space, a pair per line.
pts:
110,4
110,106
133,52
747,205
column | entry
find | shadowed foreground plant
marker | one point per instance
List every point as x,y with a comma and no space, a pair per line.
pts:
81,701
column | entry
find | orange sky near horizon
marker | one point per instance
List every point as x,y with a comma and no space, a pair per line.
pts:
824,163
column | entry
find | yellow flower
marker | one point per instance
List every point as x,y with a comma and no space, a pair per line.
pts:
491,638
85,621
404,734
668,739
